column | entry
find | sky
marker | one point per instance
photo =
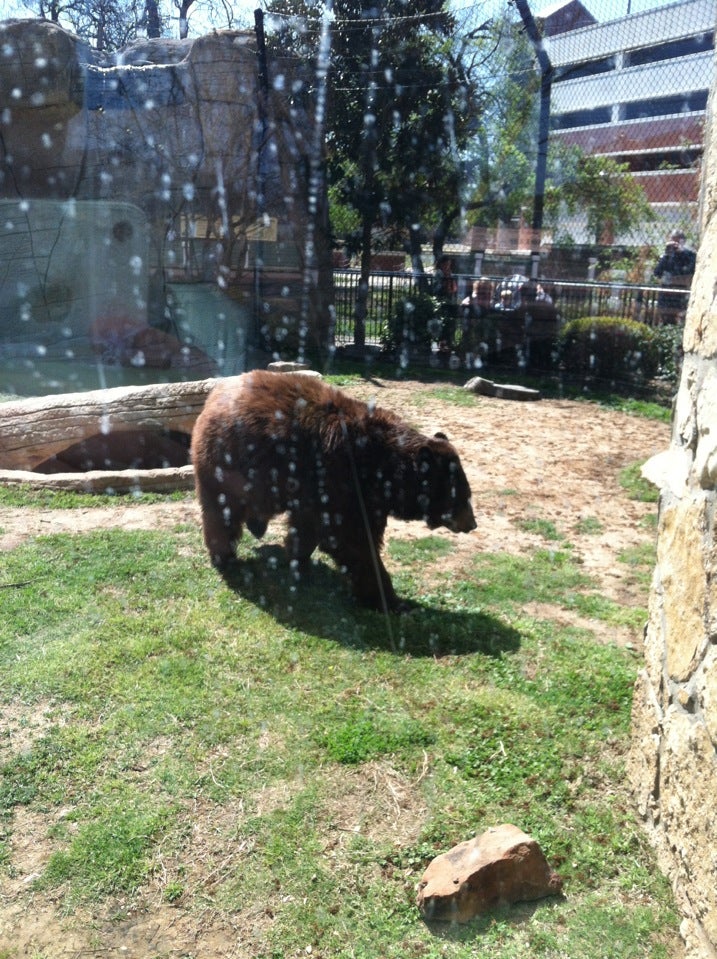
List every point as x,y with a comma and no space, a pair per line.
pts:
602,10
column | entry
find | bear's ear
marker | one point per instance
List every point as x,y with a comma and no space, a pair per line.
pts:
425,458
440,436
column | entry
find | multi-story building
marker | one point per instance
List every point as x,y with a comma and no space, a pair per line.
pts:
636,89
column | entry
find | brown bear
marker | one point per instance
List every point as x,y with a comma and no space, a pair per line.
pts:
286,442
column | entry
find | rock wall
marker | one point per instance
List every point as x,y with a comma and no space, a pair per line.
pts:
673,760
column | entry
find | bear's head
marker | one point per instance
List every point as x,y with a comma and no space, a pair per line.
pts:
445,495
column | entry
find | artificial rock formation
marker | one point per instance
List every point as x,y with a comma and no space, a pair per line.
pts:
200,165
170,125
673,760
500,867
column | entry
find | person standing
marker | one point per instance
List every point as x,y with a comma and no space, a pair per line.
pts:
675,268
474,310
445,288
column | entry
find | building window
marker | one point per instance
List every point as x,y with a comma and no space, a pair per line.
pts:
660,161
686,47
581,118
695,102
591,68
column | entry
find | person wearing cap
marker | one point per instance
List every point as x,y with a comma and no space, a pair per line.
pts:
675,268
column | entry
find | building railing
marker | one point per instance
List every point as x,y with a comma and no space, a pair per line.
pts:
572,300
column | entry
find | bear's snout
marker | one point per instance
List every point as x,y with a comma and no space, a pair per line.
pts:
463,521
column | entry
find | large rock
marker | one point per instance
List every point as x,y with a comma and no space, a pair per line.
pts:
502,866
673,759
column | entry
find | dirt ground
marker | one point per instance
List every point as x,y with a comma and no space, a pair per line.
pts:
551,460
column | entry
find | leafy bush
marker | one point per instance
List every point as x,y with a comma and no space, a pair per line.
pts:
670,352
608,347
414,323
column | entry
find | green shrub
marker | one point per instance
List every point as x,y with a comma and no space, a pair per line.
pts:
414,323
608,347
670,352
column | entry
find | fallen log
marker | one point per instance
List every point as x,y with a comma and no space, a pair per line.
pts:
33,430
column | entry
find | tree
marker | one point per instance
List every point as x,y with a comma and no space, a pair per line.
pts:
397,114
109,25
503,162
503,158
106,25
51,9
397,118
153,19
599,186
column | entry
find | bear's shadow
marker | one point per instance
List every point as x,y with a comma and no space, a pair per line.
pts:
320,603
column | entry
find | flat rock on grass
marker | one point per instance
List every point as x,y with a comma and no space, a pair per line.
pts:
502,866
501,391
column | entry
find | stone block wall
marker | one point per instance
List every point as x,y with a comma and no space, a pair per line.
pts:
673,760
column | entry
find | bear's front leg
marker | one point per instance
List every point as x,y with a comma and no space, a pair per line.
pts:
222,528
372,585
302,538
370,581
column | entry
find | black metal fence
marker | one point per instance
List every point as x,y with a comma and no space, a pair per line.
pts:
571,299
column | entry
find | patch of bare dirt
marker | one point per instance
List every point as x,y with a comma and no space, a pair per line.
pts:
553,461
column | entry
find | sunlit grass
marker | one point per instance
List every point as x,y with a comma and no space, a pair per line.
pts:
20,495
589,526
272,715
636,487
544,528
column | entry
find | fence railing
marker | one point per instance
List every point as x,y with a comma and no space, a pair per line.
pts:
653,305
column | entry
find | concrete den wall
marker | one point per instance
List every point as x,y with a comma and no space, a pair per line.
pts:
673,760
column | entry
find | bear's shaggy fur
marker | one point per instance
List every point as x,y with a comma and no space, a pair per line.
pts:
278,442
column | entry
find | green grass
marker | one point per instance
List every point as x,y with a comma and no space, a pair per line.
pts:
589,526
654,403
367,736
427,549
552,576
636,486
549,575
21,496
252,747
545,528
111,852
646,408
641,561
456,396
